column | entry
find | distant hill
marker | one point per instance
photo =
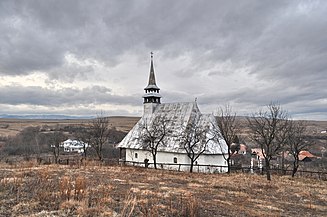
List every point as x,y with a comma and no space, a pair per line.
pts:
44,116
10,125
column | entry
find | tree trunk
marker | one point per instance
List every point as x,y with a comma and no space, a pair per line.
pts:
100,157
295,167
155,161
283,164
191,167
56,154
85,154
268,170
99,154
228,165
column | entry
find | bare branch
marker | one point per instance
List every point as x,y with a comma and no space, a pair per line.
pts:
226,121
195,139
269,130
296,141
153,135
99,134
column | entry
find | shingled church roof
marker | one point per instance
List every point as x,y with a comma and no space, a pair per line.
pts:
178,116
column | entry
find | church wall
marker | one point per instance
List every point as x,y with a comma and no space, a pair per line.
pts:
176,159
149,108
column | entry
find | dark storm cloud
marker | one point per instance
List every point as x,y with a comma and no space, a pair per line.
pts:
39,33
281,43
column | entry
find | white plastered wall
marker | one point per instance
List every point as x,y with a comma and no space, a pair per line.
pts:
212,161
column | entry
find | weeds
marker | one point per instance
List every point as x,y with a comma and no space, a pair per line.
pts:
127,191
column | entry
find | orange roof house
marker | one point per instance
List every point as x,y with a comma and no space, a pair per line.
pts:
306,156
258,152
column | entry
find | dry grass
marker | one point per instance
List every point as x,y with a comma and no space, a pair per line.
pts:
127,191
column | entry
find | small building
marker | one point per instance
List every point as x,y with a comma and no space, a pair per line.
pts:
74,146
306,156
243,149
257,159
179,116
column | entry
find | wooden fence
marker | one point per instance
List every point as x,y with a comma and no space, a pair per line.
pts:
216,169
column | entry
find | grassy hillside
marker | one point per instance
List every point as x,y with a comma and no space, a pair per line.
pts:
91,190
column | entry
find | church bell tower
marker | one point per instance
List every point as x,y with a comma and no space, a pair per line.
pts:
151,96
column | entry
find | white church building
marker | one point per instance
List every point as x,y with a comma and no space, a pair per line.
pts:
171,153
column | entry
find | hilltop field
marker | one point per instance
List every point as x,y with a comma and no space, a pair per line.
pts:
93,190
10,127
29,189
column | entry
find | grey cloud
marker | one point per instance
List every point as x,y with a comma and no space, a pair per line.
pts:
281,42
17,95
105,30
293,100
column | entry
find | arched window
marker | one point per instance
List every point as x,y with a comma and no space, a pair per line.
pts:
175,160
136,155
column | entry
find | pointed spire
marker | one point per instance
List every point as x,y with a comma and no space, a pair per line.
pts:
152,79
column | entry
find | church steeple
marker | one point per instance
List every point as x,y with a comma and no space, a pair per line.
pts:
152,90
152,79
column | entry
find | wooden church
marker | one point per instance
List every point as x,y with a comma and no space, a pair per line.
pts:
180,122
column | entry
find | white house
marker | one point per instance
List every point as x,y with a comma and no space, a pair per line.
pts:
172,154
74,146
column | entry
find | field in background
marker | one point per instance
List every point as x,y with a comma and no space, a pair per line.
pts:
93,190
10,127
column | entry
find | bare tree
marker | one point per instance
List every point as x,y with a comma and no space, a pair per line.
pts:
153,136
25,143
55,139
99,134
195,139
268,130
226,121
83,135
296,141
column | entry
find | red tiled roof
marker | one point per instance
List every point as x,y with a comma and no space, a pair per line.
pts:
305,154
242,148
258,152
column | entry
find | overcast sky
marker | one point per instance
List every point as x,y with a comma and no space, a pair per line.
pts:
79,57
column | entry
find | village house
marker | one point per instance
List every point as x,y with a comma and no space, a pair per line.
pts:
306,156
73,146
178,117
240,156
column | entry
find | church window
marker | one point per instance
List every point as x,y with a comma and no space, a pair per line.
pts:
175,160
136,155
